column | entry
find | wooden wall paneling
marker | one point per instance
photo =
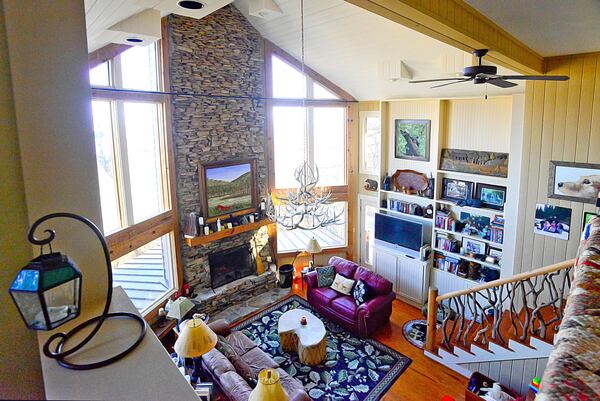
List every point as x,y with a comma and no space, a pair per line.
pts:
528,374
524,176
533,171
543,247
516,374
594,145
352,167
560,136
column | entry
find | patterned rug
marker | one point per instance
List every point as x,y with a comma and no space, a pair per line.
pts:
415,332
355,369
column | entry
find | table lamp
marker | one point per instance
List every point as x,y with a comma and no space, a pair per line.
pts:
313,247
195,340
269,387
47,293
179,308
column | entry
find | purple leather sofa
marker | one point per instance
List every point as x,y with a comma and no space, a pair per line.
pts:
362,320
224,374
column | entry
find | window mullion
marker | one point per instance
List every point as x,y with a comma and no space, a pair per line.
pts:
126,199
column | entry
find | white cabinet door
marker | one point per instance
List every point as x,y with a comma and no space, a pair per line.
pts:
411,275
385,265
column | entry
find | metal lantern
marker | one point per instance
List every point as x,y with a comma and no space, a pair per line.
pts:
47,291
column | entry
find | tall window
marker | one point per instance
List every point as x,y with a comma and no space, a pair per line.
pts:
370,139
309,123
132,161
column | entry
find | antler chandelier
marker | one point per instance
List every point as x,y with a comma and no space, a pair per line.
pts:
307,207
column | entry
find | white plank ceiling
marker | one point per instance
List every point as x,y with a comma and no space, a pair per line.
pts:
345,43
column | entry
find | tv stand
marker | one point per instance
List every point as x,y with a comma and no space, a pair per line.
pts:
409,275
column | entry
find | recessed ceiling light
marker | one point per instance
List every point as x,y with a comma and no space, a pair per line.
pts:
134,40
190,4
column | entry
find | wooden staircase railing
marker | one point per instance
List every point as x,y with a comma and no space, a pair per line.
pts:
472,314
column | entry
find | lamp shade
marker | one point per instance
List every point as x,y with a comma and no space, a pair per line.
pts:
268,388
47,291
195,340
313,246
180,307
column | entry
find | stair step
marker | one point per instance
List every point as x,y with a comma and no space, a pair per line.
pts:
479,352
541,345
447,356
138,272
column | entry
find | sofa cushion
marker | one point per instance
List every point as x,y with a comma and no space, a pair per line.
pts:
289,384
377,285
324,296
342,266
258,360
235,386
343,284
325,275
360,293
240,342
345,306
217,363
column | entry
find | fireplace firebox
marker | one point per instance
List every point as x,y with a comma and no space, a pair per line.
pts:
230,265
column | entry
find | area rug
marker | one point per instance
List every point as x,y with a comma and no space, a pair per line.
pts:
355,369
415,332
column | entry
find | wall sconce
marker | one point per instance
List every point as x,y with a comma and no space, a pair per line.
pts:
47,293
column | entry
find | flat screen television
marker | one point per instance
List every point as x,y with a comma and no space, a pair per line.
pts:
405,235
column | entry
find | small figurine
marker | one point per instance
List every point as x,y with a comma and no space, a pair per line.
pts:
535,385
303,321
370,185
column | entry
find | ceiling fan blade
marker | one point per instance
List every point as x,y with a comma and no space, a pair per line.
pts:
455,82
535,77
435,80
501,83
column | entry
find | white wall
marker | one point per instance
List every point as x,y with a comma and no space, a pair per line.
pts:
47,51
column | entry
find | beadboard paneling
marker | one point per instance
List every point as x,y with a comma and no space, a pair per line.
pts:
562,122
479,124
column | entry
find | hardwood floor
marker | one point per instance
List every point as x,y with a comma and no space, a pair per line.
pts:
424,380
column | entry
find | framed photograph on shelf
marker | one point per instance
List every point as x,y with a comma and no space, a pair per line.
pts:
587,217
411,139
552,221
495,253
491,196
473,246
474,224
227,188
577,182
456,190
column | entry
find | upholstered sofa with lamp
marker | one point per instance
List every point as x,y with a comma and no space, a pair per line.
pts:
224,374
342,309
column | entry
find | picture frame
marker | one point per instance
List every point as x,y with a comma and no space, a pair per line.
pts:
587,217
495,253
552,221
474,246
491,196
474,224
227,188
576,182
456,190
411,139
494,164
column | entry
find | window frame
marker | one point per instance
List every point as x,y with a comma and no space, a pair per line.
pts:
363,116
340,193
166,222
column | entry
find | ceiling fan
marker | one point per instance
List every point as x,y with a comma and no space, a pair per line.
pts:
487,74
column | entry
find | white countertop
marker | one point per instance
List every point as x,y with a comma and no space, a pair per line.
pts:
147,373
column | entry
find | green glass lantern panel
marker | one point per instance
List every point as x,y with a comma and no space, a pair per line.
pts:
62,301
50,278
31,309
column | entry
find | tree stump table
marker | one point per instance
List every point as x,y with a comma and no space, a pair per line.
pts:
309,341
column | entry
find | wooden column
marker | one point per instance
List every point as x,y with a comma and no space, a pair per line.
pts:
431,319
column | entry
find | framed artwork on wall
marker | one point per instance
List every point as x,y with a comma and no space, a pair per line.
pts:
475,162
491,196
456,190
411,139
587,217
227,188
473,246
577,182
552,221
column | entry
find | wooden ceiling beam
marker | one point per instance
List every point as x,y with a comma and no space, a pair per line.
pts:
456,23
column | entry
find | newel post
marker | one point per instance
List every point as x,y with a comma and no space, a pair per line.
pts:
431,319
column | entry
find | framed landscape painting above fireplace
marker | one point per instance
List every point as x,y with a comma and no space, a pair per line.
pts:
227,188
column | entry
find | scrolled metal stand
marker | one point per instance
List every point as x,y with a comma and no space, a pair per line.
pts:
58,354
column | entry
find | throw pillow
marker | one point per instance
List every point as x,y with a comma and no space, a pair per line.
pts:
360,292
325,276
241,367
343,284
